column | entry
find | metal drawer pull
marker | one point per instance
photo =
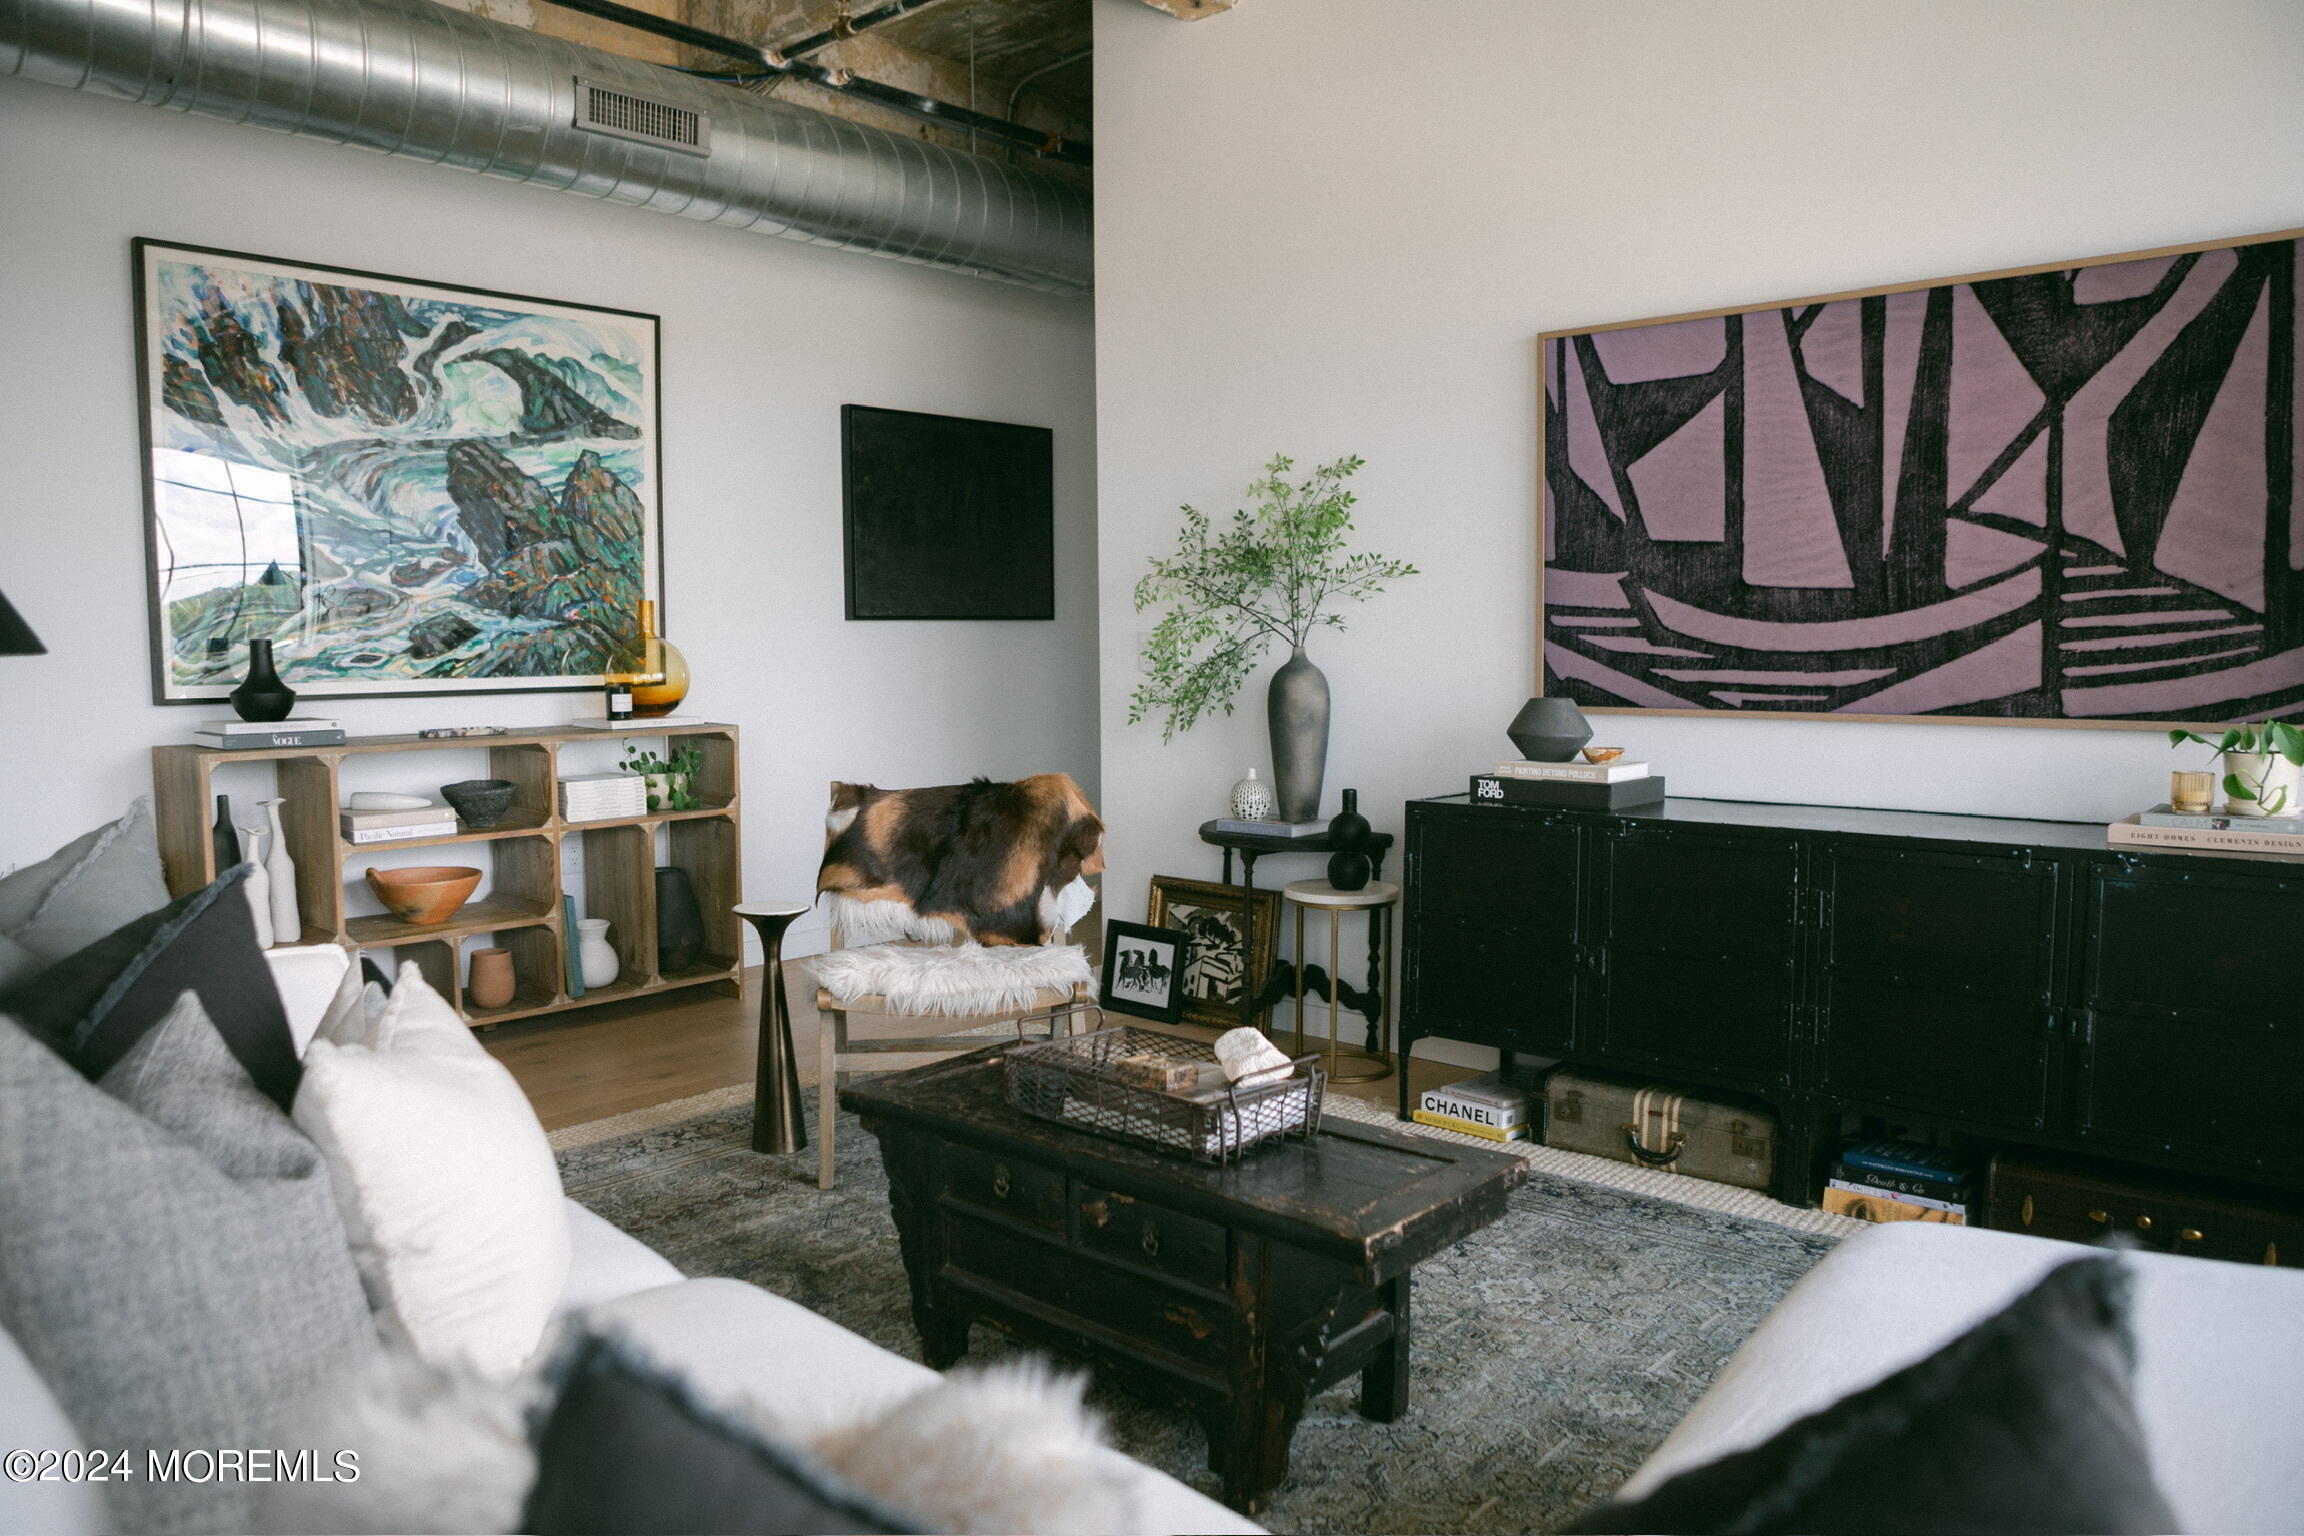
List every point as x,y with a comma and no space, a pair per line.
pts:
1151,1240
2189,1235
2102,1216
2026,1216
2143,1223
1000,1184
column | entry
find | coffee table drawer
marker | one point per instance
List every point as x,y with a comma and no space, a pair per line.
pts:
1136,1231
1013,1186
1135,1307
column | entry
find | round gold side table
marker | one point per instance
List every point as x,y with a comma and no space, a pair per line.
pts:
1375,898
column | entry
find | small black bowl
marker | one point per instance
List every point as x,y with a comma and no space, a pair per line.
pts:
481,803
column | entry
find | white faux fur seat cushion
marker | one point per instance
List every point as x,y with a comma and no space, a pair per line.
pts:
957,980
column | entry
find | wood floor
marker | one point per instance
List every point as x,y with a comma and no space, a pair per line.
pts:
603,1061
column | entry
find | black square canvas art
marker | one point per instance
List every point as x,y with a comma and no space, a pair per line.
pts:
947,518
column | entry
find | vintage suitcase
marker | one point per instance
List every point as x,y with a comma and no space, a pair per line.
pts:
2083,1201
1656,1125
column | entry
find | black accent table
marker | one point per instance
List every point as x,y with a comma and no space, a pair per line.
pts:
1234,1292
1260,992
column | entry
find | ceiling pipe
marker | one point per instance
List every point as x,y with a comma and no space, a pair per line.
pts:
767,61
418,80
1017,94
848,26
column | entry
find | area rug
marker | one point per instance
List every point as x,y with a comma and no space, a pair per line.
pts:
1554,1349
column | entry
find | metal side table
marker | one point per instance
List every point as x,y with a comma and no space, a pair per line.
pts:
1376,898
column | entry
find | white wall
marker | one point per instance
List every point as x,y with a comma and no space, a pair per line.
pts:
763,341
1337,226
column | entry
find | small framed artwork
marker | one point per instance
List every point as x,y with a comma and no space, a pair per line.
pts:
947,518
1232,938
407,486
1144,971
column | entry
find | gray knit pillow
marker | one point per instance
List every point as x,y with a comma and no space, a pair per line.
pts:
170,1257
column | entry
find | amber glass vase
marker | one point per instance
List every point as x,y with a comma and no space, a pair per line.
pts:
659,672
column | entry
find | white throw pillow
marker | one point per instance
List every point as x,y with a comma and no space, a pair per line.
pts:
446,1184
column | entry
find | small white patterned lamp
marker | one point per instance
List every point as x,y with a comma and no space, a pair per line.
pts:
1251,799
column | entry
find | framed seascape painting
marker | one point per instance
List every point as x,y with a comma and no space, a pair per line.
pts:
1232,940
2055,495
406,486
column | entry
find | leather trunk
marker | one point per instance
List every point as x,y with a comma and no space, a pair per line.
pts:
1659,1125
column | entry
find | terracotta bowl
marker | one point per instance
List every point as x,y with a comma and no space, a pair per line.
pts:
426,894
1602,754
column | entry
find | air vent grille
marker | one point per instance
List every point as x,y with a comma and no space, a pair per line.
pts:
605,109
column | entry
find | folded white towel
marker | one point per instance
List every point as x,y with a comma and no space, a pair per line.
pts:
1249,1058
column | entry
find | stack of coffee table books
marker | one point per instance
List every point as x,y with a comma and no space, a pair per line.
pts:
1579,786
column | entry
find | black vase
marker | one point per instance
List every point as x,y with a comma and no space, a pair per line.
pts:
262,696
1549,729
224,837
679,925
1348,867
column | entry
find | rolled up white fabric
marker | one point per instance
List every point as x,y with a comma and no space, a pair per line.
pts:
1249,1058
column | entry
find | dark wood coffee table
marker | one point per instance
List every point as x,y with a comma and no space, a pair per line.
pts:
1234,1292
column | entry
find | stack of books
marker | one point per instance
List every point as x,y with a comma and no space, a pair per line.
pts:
603,796
1273,828
2161,827
256,735
362,827
1899,1181
1479,1106
1614,786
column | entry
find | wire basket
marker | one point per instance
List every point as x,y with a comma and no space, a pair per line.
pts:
1072,1082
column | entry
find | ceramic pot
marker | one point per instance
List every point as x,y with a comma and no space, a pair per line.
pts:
670,791
480,803
1549,729
491,983
1296,712
287,920
595,956
2275,783
261,695
1251,799
425,895
679,925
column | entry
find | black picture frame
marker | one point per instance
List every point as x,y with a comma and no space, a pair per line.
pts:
1235,935
158,387
1174,941
947,517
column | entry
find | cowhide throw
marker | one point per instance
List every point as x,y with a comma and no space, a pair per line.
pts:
982,860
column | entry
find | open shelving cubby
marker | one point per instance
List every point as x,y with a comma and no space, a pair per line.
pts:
527,860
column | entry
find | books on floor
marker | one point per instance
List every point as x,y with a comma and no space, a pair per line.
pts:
2246,834
1273,828
1573,773
1887,1180
1479,1106
254,735
1501,789
603,796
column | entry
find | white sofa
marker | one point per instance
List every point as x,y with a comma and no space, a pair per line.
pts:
2219,1360
730,1339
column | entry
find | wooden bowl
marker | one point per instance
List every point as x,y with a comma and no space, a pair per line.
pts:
1602,754
424,895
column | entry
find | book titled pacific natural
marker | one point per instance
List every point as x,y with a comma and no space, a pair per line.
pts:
1479,1106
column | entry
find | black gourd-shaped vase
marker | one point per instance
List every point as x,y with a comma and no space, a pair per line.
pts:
262,696
1348,866
679,923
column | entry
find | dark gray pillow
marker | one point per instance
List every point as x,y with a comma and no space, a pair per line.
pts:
93,1006
2022,1425
625,1450
81,892
170,1257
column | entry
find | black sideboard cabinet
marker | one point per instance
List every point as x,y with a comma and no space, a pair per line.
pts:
2016,981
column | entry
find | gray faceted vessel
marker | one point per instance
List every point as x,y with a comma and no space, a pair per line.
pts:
1549,729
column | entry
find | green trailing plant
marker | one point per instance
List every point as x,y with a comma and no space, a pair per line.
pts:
1276,571
2269,738
677,773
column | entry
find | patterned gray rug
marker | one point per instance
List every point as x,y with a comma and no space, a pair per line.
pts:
1553,1350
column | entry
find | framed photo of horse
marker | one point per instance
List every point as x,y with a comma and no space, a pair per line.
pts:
1232,941
1144,971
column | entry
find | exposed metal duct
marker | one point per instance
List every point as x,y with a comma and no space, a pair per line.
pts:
416,79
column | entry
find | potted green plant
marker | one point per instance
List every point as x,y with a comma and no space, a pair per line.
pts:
1276,571
671,779
2263,767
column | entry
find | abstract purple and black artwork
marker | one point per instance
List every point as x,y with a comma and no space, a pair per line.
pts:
2064,494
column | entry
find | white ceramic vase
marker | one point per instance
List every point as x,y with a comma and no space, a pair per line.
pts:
258,885
287,921
595,957
1251,799
2278,784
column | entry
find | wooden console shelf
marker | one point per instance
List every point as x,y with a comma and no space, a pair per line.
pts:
524,852
2014,982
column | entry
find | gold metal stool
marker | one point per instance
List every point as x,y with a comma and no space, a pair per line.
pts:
1376,898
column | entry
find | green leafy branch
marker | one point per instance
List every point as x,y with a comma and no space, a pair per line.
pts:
1273,572
2266,738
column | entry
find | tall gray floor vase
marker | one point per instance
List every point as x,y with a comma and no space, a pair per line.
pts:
1296,708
